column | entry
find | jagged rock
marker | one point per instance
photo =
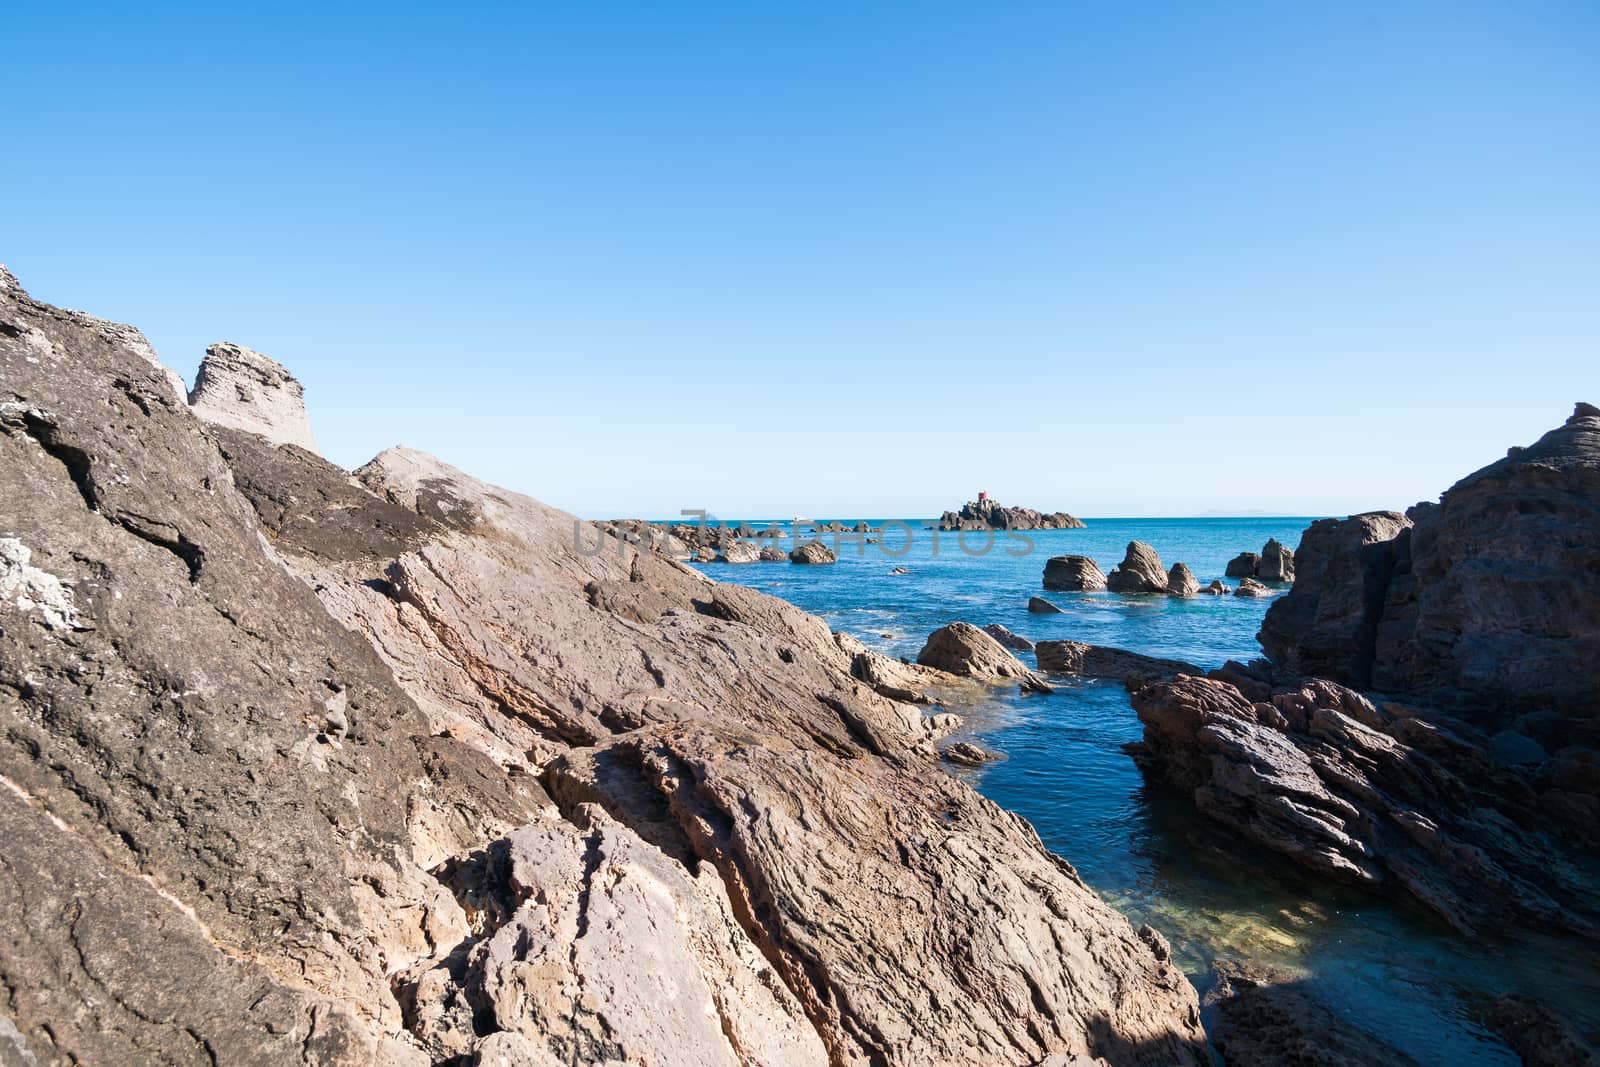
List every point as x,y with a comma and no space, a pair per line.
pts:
964,650
1476,603
991,515
966,754
738,551
1266,1018
248,793
1073,574
244,390
1097,661
1540,1036
1276,564
772,554
1015,642
1405,806
1243,565
813,552
1217,588
1038,605
1249,587
1181,581
1140,571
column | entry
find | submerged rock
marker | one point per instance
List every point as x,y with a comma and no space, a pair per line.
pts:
1139,572
1540,1036
1266,1017
1073,574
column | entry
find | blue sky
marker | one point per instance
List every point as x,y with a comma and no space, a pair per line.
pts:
845,259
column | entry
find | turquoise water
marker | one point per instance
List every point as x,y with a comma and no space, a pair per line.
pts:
1390,970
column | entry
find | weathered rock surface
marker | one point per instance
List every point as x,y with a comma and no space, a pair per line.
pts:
1487,603
966,651
1139,572
1540,1036
1401,805
271,795
1015,642
813,552
1217,588
1098,661
1073,574
244,390
1181,581
739,551
967,754
1249,587
1277,563
991,515
1038,605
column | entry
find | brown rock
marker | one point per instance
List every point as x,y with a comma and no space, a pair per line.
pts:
1098,661
1038,605
1181,581
1243,565
1277,563
1015,642
1266,1018
1140,571
964,650
1249,587
813,552
1073,574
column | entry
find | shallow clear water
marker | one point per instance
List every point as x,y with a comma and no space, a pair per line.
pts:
1389,969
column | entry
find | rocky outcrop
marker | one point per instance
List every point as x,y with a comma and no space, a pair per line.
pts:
1097,661
1398,804
739,551
1078,574
1038,605
1139,572
1484,603
274,783
1181,581
967,754
990,515
966,651
1217,588
1277,563
813,552
1249,587
244,390
1015,642
1328,623
1274,563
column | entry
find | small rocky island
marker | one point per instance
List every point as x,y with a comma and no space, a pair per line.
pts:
986,514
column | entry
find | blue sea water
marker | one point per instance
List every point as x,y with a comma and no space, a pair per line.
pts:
1389,969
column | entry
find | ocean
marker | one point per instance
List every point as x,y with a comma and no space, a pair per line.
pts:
1390,969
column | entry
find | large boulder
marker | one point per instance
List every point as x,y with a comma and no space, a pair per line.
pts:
1181,581
1078,574
1276,563
1243,565
962,649
739,550
1139,572
813,552
241,389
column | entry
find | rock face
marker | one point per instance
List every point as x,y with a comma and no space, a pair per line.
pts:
308,769
1078,574
1181,581
1277,563
991,515
1402,805
1097,661
1015,642
813,552
1140,571
1486,602
244,390
964,650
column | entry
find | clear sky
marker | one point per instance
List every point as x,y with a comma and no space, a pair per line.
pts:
844,259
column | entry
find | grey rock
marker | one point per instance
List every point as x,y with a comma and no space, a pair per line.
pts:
1015,642
1276,564
1217,588
1140,571
1249,587
991,515
1267,1017
1243,565
1540,1036
1038,605
1098,661
241,389
739,551
966,754
1073,574
813,552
